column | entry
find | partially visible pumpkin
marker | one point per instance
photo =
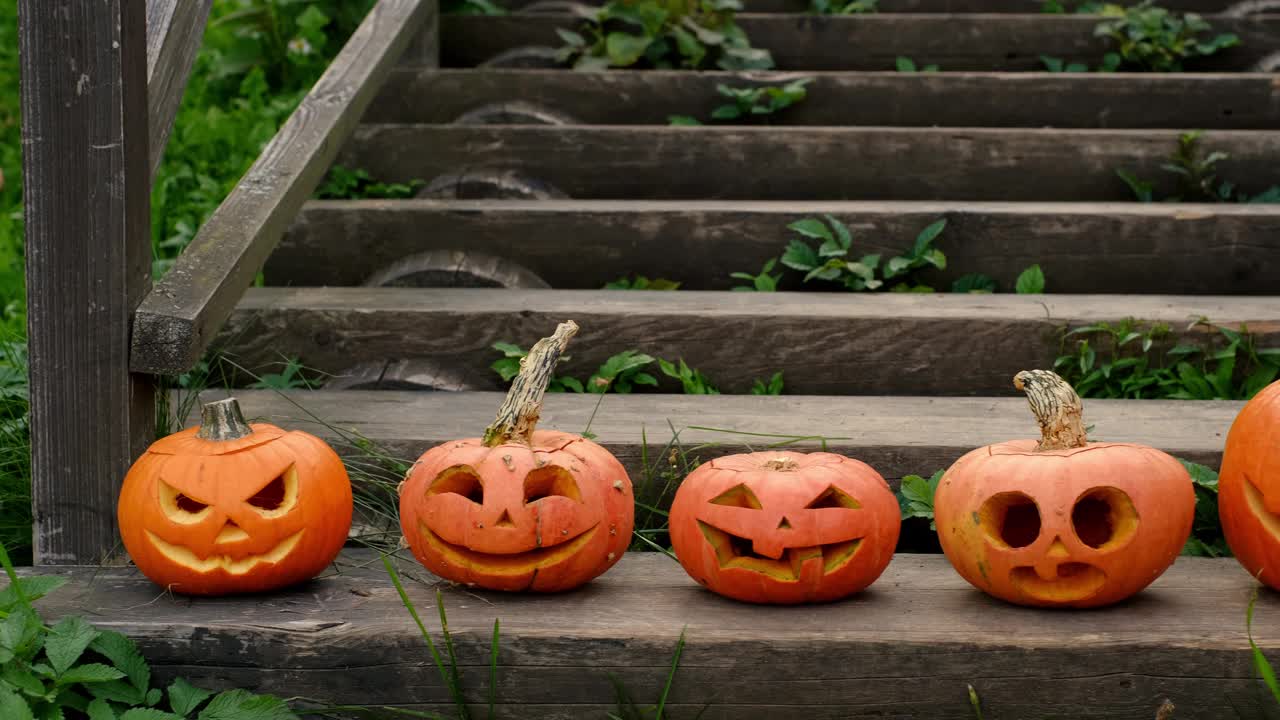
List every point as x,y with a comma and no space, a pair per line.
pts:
785,527
1249,486
519,509
1063,522
229,507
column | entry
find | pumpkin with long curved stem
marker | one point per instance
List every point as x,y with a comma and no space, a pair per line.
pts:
229,507
1063,522
519,509
1249,486
785,527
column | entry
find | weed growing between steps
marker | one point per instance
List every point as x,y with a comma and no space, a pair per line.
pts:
843,7
1145,38
663,34
624,372
343,183
1131,359
751,104
1196,174
907,65
830,262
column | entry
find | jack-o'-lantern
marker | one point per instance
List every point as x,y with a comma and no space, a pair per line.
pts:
519,509
1249,486
229,507
1063,522
785,527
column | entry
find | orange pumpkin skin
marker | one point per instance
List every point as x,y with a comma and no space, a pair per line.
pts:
1249,486
1109,519
546,516
276,510
785,527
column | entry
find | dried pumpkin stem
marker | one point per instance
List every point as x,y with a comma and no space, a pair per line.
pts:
781,464
1057,408
520,411
222,421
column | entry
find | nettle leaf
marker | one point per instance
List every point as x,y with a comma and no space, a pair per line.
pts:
1201,475
67,641
828,271
896,266
20,632
13,707
973,283
152,714
811,227
683,120
242,705
1031,281
22,679
184,697
100,710
726,112
33,588
904,64
89,673
800,256
928,235
624,49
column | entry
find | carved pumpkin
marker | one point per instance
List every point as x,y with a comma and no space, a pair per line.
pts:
230,507
1249,486
1063,522
519,509
785,527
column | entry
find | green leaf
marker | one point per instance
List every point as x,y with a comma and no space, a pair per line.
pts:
896,266
683,121
800,256
1201,475
572,383
33,588
100,710
811,227
67,641
89,673
927,236
242,705
13,707
184,697
1030,281
22,679
1260,664
1052,64
154,714
624,50
973,283
904,64
571,38
726,112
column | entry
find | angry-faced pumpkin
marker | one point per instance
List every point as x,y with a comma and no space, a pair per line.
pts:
785,527
519,509
1063,522
1249,486
229,507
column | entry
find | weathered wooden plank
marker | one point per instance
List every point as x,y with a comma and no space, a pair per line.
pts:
890,343
176,320
86,186
1083,247
174,31
936,6
906,648
1076,100
896,435
872,42
794,163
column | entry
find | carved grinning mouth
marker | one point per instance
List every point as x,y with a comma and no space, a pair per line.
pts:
733,551
518,564
233,566
1076,581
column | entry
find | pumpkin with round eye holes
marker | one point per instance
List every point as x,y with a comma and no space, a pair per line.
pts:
230,507
785,527
519,509
1063,522
1249,486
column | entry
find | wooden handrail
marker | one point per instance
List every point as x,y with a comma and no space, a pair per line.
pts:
179,317
174,31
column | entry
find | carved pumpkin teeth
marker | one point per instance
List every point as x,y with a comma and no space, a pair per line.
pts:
1076,581
233,566
519,564
733,551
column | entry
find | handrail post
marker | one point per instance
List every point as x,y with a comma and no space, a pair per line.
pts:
87,174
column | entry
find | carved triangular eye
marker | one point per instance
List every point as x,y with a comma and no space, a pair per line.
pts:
738,496
833,497
269,497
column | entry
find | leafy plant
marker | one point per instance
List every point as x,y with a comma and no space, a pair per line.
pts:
764,281
1197,177
292,376
1261,665
626,706
1057,65
915,496
1207,539
622,372
842,7
772,387
471,7
508,366
828,261
77,669
1150,38
345,184
692,380
1030,281
640,282
1122,361
691,34
907,65
759,101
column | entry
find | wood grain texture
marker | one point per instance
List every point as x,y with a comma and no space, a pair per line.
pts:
1083,247
1075,100
872,42
175,29
896,435
176,321
794,163
861,344
86,186
935,6
905,648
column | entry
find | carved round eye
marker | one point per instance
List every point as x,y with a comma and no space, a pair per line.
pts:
1010,519
458,480
1104,516
548,481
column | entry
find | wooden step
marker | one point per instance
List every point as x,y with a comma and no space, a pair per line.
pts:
936,6
896,435
1073,100
1082,247
872,42
792,163
832,344
908,647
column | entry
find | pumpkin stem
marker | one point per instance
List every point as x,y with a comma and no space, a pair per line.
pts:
222,421
781,464
1057,408
520,411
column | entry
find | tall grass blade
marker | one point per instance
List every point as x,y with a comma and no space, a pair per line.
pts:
456,685
454,690
1260,663
671,675
493,670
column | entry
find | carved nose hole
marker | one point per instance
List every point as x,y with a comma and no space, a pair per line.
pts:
1057,549
785,524
231,532
1011,519
504,520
